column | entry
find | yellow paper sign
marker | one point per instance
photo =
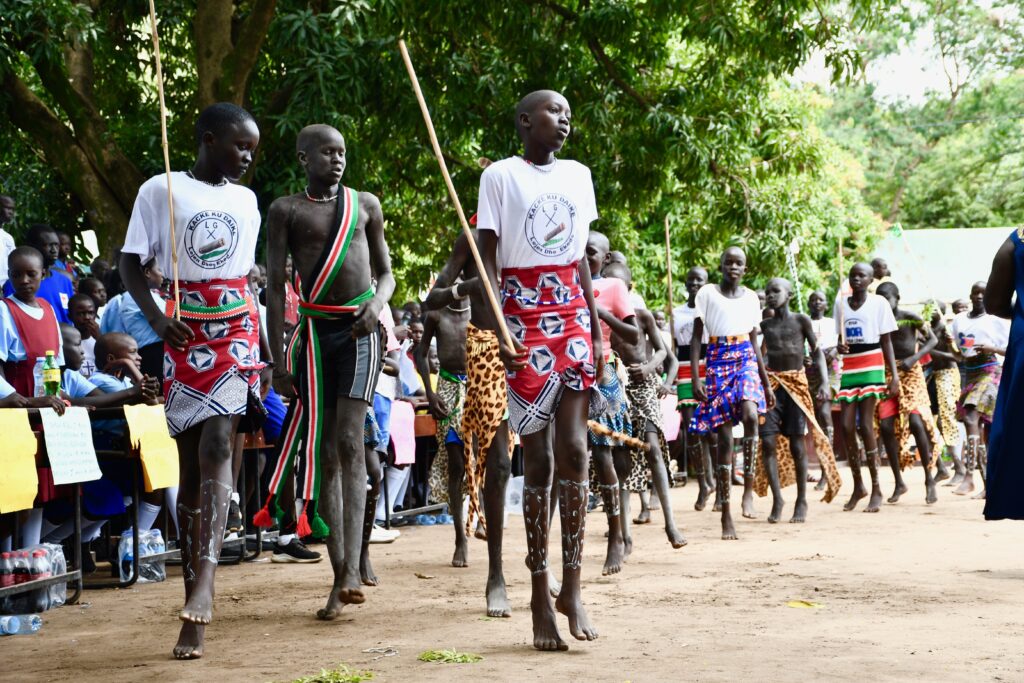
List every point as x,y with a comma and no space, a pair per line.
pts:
18,477
148,429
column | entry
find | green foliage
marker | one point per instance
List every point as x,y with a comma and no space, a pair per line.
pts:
449,657
343,674
953,160
679,109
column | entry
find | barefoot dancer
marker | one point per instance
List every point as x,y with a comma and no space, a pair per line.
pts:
485,415
446,404
980,339
617,316
785,334
864,322
212,362
644,361
735,392
946,378
827,339
696,445
335,236
912,408
533,221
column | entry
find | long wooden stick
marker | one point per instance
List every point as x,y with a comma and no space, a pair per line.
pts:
842,297
668,271
498,315
167,157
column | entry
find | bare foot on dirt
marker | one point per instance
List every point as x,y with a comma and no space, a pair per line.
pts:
554,585
820,486
858,494
644,517
480,531
799,512
728,529
748,505
579,623
613,560
776,513
366,573
702,496
980,495
461,556
875,501
675,537
497,598
190,641
545,629
339,597
900,489
930,496
966,486
199,607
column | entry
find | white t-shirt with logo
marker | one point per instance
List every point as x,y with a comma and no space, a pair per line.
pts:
682,323
987,329
727,317
868,323
216,228
541,214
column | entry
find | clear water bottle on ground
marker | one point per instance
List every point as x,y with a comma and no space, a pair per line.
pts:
20,624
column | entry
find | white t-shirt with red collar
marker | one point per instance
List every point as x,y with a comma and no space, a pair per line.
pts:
541,214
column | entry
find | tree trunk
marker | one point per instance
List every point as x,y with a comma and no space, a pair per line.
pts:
61,150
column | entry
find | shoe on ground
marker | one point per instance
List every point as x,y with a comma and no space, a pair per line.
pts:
381,535
294,552
235,521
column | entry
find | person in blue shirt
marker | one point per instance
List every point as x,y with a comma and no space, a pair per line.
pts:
134,323
57,287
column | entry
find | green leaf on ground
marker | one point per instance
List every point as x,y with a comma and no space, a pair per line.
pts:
342,674
449,657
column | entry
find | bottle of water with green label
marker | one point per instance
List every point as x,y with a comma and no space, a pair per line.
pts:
51,375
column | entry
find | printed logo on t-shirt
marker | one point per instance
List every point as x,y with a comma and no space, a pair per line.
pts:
854,331
211,238
550,225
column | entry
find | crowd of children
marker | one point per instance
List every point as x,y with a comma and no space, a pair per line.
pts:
574,371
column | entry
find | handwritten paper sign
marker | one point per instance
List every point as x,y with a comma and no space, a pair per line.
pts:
69,446
147,426
18,477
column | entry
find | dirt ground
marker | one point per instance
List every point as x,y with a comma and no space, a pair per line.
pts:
912,593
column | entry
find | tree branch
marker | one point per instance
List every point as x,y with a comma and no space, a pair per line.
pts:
61,150
240,62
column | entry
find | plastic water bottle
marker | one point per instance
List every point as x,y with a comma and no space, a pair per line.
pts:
20,624
37,378
51,375
39,568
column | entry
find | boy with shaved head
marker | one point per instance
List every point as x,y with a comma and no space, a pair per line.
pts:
533,219
785,335
335,236
865,323
736,376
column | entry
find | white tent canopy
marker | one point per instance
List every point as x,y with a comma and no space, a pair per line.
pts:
941,264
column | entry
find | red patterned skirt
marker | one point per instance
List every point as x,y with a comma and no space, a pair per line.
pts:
545,310
218,373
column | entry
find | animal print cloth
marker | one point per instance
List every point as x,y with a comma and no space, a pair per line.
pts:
486,407
453,394
644,410
914,399
795,382
947,391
